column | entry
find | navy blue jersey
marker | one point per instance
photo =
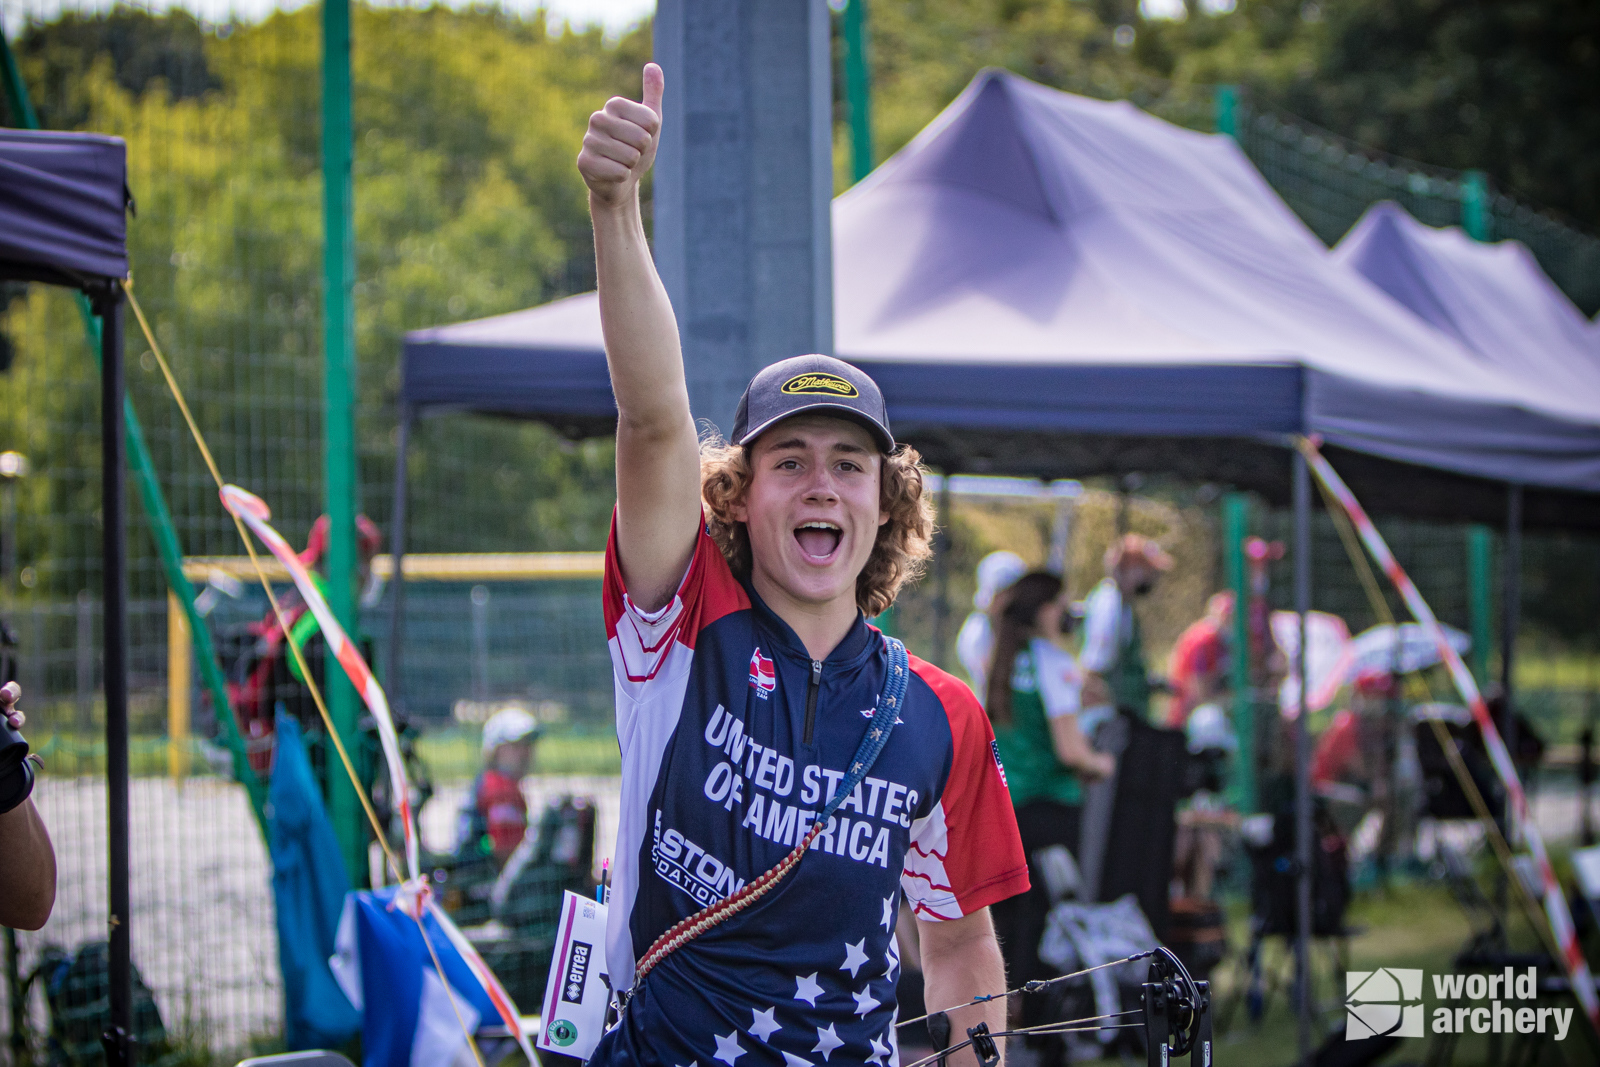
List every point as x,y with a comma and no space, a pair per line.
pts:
732,741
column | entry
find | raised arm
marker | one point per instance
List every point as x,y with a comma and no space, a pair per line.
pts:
658,456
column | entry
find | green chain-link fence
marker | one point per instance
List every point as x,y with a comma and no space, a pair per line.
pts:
1329,181
466,205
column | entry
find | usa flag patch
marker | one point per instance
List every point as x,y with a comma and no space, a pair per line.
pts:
762,674
994,747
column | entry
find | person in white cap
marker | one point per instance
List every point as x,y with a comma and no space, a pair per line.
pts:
975,642
496,815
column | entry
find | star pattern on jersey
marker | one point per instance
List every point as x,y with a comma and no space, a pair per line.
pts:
880,1053
764,1024
827,1041
854,956
807,988
933,853
728,1048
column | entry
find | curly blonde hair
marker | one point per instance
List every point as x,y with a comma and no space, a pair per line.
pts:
899,553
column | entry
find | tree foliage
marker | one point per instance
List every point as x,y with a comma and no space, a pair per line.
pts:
1511,87
1508,86
467,204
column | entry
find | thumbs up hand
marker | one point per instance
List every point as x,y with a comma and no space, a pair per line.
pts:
621,142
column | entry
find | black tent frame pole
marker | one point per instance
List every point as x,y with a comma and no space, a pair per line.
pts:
118,1037
1511,605
1302,762
397,555
941,574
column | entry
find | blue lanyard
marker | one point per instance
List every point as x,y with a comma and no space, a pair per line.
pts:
897,676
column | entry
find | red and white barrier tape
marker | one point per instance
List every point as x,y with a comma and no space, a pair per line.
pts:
416,896
1555,901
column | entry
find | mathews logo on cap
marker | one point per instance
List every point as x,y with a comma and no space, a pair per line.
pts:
811,383
826,384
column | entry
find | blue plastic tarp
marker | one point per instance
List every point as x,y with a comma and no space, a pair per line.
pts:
1037,262
63,198
309,883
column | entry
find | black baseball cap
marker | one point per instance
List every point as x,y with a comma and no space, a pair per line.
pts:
811,383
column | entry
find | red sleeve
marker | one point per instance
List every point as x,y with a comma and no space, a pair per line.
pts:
1336,748
639,640
982,861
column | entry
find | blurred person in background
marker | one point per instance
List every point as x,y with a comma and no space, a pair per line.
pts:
1352,765
1032,696
27,861
1197,671
495,816
1113,640
975,642
1349,751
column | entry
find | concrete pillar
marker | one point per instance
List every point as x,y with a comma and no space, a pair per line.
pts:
743,183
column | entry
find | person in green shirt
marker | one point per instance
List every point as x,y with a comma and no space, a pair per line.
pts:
1113,639
1032,695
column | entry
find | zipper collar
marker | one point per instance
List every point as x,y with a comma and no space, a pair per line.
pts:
857,643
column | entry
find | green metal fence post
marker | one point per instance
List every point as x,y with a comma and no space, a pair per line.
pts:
168,549
1235,528
339,392
1225,107
16,90
858,88
1480,582
1476,218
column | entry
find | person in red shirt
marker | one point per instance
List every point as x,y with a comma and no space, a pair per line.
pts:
1197,671
496,815
1349,750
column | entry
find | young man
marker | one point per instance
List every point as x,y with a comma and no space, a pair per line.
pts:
737,580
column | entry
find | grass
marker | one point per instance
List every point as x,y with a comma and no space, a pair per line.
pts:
453,755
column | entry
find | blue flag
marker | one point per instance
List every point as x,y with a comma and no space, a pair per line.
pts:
411,1018
309,882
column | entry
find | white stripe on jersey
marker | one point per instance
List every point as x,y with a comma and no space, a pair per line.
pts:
925,882
644,728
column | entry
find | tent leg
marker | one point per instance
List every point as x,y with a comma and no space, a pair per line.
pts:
1511,605
113,464
397,554
1302,762
1235,528
941,575
1480,552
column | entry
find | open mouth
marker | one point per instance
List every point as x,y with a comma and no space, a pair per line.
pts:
818,540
